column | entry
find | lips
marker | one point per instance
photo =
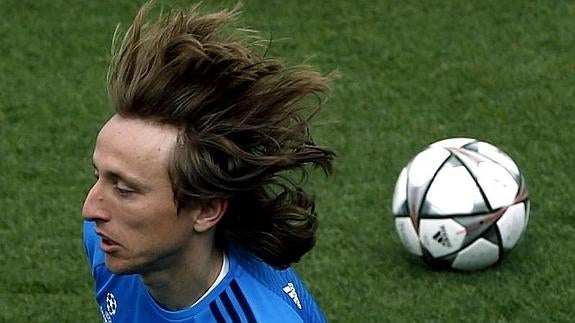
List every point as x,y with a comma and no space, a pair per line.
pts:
107,245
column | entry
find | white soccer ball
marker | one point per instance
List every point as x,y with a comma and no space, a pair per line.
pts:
460,203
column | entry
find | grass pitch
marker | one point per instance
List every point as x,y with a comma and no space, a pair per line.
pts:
412,72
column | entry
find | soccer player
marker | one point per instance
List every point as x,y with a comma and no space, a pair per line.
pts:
196,214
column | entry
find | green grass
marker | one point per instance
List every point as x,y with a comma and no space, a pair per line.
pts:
412,72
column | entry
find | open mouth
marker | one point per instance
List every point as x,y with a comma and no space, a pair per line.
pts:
107,245
108,242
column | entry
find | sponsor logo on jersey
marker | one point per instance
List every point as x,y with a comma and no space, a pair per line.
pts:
289,289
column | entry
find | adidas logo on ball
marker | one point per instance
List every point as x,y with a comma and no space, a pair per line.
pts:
441,237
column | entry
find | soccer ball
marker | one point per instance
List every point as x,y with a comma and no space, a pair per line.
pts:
460,203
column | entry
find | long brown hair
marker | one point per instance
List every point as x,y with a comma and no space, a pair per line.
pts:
244,123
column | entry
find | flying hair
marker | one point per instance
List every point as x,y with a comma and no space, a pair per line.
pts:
243,118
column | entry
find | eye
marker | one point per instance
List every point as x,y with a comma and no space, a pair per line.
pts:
122,192
96,175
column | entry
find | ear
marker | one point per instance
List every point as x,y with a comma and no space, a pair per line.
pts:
210,213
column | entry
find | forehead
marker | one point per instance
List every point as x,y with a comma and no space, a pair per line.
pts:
137,146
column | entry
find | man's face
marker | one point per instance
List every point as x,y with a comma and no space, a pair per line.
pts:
132,200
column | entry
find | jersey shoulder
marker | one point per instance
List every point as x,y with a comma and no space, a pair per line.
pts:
271,289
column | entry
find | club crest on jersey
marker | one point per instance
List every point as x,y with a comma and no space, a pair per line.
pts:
289,289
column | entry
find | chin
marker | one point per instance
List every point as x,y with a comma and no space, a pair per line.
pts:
120,267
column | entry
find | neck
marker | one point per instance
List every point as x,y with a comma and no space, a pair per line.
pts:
182,284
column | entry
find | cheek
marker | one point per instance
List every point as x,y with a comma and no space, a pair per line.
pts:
163,233
151,220
155,219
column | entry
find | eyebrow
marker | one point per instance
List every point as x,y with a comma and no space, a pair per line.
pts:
129,180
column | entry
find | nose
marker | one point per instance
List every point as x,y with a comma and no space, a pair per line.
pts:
94,206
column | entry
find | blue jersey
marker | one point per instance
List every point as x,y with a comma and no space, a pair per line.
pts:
251,291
